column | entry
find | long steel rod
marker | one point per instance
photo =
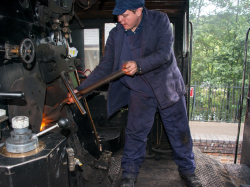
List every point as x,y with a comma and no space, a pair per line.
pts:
92,87
100,83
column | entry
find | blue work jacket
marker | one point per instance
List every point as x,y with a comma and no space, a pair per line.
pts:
158,64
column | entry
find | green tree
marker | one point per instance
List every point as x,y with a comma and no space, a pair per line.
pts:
218,50
219,37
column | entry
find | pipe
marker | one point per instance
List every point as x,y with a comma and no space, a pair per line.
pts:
189,67
242,97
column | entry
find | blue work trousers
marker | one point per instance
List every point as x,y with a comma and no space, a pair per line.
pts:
140,120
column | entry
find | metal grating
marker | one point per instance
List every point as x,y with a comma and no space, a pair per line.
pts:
114,169
211,172
240,174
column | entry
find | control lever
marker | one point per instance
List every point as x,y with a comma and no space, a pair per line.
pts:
71,90
62,123
12,95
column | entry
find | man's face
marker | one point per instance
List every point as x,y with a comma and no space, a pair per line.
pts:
130,20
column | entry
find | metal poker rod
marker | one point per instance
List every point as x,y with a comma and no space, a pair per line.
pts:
92,87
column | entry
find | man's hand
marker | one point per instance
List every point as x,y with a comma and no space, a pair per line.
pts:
129,67
71,100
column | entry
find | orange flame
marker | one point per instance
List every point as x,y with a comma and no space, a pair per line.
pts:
42,126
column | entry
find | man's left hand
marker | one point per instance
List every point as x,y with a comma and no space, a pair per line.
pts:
129,67
71,100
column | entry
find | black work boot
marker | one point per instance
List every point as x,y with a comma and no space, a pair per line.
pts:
191,180
128,182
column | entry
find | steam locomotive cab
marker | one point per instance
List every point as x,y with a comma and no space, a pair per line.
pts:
44,55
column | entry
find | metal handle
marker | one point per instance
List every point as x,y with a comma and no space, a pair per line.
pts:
62,123
46,130
12,95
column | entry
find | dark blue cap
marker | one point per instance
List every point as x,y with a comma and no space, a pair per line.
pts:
122,6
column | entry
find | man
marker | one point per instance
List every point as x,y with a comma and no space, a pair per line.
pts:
141,45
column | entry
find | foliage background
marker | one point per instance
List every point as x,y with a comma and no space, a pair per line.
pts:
220,28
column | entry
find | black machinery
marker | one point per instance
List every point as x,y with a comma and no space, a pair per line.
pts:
24,155
38,69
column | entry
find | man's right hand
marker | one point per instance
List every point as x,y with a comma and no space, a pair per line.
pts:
71,100
129,68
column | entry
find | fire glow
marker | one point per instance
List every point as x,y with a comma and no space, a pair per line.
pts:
42,126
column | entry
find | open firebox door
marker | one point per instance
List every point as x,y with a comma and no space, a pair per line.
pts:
45,141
